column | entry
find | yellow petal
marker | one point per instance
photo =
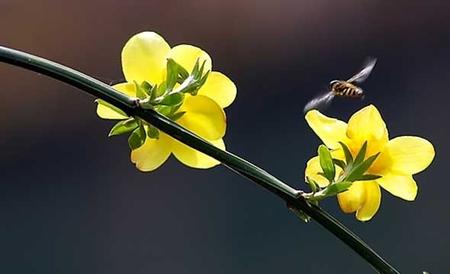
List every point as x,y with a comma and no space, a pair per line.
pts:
329,130
144,57
402,186
194,158
108,111
203,116
126,88
367,125
371,202
187,55
409,154
362,197
219,88
312,170
352,199
152,154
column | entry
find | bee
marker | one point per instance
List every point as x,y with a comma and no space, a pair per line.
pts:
348,89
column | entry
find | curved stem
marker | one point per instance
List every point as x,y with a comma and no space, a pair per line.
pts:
242,167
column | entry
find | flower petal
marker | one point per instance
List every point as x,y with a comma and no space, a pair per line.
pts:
352,199
194,158
152,154
126,88
203,116
187,55
108,111
371,202
329,130
362,197
144,57
219,88
312,170
402,186
367,125
410,154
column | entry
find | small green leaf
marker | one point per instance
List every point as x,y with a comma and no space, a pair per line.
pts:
357,171
200,70
195,69
177,115
137,138
158,91
174,99
339,163
140,93
347,153
326,163
172,74
154,92
181,71
164,110
369,177
152,132
312,184
361,154
123,127
336,188
147,87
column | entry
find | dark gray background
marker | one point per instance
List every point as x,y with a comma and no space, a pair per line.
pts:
71,201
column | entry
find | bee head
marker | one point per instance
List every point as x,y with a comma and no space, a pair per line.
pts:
333,84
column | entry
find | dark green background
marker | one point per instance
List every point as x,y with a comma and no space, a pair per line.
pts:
71,201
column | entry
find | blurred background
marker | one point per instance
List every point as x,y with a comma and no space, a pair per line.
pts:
71,201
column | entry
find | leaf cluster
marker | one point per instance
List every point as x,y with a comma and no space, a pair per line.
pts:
165,98
353,169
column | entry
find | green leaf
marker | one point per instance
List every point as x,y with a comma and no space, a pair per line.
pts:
173,99
154,92
177,115
200,70
137,138
326,163
152,132
182,73
339,163
116,109
158,91
361,154
165,110
140,93
333,189
312,184
347,153
123,127
147,87
357,171
369,177
172,74
195,68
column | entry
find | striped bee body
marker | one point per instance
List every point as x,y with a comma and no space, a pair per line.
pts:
345,89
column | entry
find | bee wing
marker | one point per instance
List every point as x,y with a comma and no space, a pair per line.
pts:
321,102
364,73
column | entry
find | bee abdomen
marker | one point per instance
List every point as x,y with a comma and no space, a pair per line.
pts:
348,92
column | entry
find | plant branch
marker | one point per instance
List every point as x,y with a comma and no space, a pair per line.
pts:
242,167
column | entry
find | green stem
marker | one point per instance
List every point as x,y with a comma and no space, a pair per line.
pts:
242,167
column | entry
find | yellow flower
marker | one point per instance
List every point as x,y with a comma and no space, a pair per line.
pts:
399,158
144,58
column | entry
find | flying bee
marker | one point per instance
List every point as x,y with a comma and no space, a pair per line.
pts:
348,89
